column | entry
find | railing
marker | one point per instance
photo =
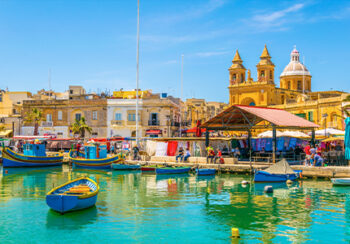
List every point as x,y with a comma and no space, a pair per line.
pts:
153,122
46,123
117,122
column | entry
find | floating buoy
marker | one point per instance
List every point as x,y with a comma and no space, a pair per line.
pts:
235,233
289,182
268,189
244,182
6,171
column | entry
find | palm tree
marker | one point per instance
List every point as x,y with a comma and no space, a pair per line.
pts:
34,116
346,107
80,127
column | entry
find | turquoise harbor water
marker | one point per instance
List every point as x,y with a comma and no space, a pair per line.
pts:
145,208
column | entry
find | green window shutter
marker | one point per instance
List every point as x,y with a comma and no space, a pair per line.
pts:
303,115
311,116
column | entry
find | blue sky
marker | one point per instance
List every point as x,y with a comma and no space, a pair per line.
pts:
93,43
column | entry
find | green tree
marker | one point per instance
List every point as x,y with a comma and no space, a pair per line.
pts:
34,116
80,127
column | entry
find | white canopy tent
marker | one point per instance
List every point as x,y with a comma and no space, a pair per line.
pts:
328,132
268,134
296,134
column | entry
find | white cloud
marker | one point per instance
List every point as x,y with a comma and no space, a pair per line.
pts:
193,37
210,54
277,15
192,12
276,20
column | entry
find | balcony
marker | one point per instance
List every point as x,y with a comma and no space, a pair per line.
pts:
46,123
333,125
153,123
117,122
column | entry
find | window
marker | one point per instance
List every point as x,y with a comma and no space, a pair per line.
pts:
311,116
302,115
118,116
153,119
78,116
0,98
59,115
299,85
71,91
131,117
49,117
94,134
262,73
271,76
234,76
242,77
94,115
289,84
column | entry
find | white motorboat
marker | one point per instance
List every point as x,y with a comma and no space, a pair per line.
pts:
341,181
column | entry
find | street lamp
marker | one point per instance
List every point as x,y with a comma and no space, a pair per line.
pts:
325,123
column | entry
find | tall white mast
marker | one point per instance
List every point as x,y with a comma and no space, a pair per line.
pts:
137,71
181,91
303,75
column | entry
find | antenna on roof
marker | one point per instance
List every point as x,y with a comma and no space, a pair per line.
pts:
49,79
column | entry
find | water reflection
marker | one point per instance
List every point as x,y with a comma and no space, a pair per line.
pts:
71,220
145,207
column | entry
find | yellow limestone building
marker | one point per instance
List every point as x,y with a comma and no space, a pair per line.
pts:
294,93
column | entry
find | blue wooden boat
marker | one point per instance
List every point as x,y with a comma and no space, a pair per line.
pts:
34,155
94,157
169,170
263,176
279,172
74,195
119,166
205,172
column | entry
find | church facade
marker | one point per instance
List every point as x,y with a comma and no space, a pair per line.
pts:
294,93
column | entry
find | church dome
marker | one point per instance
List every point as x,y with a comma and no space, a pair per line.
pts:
295,67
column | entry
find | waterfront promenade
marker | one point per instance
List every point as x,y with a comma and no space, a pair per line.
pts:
244,167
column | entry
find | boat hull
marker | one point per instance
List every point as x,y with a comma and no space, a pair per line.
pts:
205,172
148,169
104,163
341,181
263,176
66,203
63,204
126,166
173,170
13,159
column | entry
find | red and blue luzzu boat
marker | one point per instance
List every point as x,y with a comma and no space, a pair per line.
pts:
94,157
74,195
34,155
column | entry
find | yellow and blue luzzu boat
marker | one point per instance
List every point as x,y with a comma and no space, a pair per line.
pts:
94,157
34,155
74,195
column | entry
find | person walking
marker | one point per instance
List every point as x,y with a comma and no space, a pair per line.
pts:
307,154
